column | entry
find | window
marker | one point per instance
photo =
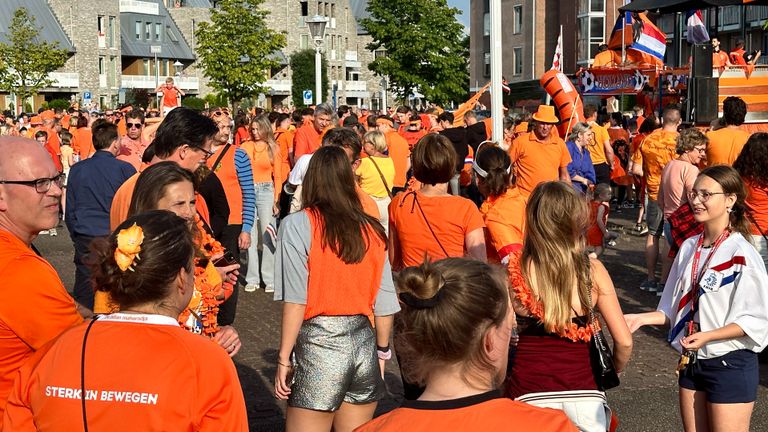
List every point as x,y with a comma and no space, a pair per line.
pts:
319,8
333,10
487,64
486,24
517,55
304,41
597,5
517,19
138,30
590,33
145,67
102,67
158,32
304,9
171,34
111,32
148,31
100,24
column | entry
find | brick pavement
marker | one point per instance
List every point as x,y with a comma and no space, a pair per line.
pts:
646,400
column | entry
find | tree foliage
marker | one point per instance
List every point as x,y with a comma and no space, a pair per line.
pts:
236,48
422,39
303,78
26,62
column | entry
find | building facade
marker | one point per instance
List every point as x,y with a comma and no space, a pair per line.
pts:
121,46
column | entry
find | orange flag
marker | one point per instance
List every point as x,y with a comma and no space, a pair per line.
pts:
458,115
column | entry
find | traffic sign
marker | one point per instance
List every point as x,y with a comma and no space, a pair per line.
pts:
307,97
87,95
155,49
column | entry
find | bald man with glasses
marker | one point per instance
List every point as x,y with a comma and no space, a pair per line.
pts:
36,307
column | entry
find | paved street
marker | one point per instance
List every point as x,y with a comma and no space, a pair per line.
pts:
646,400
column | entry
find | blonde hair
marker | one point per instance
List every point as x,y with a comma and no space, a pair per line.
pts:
266,135
377,139
578,129
553,249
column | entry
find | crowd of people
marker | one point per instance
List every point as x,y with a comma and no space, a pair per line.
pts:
476,263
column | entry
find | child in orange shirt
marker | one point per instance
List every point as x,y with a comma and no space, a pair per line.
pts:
597,234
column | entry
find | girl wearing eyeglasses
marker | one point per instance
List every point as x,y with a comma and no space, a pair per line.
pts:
716,307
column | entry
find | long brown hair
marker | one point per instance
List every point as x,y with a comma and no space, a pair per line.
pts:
730,180
329,190
556,218
266,135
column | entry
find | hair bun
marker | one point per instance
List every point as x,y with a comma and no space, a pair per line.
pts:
421,287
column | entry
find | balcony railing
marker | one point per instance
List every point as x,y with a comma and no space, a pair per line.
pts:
279,86
65,79
356,86
148,82
142,7
102,81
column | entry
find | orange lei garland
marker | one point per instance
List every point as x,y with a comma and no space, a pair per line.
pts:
210,293
524,295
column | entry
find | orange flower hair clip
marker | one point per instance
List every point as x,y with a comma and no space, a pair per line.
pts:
128,247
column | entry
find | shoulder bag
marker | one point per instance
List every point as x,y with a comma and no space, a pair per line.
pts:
600,355
383,180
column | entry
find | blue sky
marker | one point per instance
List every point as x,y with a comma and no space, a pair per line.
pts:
464,6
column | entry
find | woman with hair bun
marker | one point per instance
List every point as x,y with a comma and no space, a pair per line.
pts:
557,288
136,369
456,325
504,207
716,306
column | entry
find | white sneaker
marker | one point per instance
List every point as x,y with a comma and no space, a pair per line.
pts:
53,232
250,287
44,232
269,289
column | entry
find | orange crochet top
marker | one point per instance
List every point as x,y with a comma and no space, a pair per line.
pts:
533,305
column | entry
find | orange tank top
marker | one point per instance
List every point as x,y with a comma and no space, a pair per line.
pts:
335,288
227,173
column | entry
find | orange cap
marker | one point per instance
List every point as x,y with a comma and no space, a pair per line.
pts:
47,115
36,120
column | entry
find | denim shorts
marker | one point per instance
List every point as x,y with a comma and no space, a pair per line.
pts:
654,217
730,378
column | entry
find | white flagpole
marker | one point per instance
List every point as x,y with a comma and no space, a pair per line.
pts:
497,112
623,39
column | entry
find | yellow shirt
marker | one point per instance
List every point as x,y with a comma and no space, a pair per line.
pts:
656,150
597,147
370,179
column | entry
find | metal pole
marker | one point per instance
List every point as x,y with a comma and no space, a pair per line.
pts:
384,96
157,82
623,39
496,95
318,74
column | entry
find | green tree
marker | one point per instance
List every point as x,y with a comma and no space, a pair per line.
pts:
235,48
26,62
303,78
422,40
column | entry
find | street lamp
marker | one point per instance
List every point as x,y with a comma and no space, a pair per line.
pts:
317,30
384,95
178,67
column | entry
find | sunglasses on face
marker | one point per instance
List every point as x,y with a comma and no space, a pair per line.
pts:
134,125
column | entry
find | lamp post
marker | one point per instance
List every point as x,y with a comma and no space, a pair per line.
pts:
384,95
317,30
178,67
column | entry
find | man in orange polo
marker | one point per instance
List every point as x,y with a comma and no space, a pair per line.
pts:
720,59
35,308
309,135
725,144
656,150
540,155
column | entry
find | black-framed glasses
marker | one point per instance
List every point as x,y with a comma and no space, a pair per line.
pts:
702,195
208,153
41,185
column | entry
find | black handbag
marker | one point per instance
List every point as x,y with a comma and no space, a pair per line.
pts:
600,355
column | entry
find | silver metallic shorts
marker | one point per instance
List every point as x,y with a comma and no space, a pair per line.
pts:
336,362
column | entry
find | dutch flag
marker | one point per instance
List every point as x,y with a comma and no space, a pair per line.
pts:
697,31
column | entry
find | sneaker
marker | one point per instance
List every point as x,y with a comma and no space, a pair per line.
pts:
648,285
642,229
269,289
44,232
251,287
627,205
53,232
612,243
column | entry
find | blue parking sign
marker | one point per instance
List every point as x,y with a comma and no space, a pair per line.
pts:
307,97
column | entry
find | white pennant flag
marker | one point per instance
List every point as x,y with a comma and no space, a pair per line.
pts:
558,57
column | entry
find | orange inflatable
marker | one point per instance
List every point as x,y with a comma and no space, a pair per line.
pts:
566,99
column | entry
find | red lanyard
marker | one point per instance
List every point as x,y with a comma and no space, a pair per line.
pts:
695,276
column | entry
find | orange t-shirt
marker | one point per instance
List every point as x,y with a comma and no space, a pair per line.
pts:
725,145
166,379
757,204
656,150
122,129
35,308
412,137
597,145
594,233
618,133
306,140
451,219
170,97
84,139
241,135
537,161
719,59
400,154
265,170
478,413
504,218
284,140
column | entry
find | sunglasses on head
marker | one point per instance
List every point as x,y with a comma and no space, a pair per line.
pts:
219,112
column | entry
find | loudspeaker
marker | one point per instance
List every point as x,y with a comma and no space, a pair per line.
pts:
705,99
701,61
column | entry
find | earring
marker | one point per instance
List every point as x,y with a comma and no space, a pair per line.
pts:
729,210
